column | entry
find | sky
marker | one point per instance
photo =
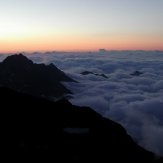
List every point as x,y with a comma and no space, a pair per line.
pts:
75,25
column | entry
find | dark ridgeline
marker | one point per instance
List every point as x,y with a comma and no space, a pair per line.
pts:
35,129
20,73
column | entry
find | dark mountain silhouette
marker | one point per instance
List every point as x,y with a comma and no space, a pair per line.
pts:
35,129
97,74
20,73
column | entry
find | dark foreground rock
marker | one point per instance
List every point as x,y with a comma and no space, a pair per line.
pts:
38,130
20,73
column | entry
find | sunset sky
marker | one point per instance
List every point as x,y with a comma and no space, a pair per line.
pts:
80,25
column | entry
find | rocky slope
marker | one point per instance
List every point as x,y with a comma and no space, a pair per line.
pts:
35,129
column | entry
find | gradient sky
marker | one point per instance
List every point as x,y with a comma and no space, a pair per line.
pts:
44,25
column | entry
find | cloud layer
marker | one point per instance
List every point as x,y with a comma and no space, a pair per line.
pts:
134,101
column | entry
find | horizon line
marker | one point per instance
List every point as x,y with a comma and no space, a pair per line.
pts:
76,51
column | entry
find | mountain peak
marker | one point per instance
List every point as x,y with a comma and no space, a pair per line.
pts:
20,73
19,59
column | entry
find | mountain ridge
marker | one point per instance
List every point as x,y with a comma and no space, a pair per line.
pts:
38,129
19,73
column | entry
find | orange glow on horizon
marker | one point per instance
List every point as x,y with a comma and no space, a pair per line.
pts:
72,43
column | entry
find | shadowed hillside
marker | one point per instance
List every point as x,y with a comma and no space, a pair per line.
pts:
40,130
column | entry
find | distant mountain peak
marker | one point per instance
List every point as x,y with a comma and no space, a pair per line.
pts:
136,73
97,74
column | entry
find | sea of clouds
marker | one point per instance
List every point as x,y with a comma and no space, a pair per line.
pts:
136,102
